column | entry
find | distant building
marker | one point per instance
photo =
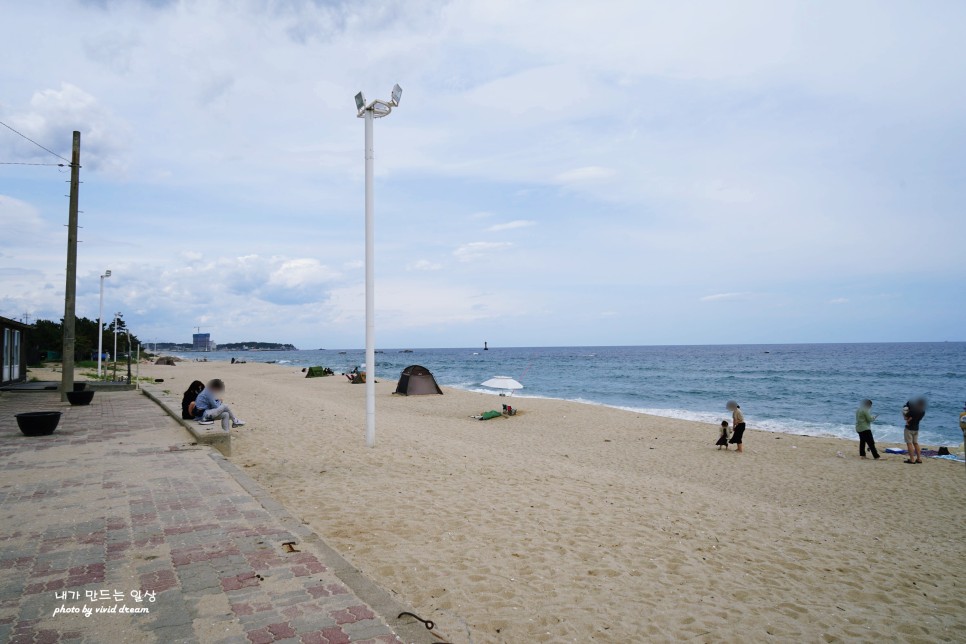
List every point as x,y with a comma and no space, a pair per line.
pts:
13,351
201,342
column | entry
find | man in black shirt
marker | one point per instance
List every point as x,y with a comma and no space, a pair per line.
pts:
913,412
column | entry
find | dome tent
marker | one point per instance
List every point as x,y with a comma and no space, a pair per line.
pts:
417,381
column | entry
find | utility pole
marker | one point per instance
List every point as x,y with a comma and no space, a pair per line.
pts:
70,292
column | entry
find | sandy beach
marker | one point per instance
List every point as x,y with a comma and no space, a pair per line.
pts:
574,522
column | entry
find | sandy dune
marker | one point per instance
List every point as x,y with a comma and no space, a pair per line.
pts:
573,522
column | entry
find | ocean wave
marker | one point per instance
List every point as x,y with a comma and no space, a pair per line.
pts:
883,433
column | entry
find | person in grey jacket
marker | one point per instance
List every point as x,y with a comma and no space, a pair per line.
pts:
211,407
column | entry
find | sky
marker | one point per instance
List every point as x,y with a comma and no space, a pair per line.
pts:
557,173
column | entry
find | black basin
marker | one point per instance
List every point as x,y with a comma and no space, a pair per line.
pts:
80,386
38,423
80,397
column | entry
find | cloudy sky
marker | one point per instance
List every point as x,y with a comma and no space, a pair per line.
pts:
558,173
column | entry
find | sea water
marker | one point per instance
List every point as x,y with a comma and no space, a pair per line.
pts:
809,389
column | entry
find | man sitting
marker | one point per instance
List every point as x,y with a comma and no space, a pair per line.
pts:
211,407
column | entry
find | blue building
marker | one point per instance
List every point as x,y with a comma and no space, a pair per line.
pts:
201,341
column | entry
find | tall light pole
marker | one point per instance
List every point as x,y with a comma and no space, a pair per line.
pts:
374,110
100,325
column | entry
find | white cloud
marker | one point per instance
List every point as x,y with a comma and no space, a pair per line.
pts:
512,225
839,300
53,114
479,250
423,265
655,142
404,304
296,273
19,221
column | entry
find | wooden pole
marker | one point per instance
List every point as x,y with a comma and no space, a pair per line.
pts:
70,293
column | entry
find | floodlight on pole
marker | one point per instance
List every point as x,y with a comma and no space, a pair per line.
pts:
100,325
375,109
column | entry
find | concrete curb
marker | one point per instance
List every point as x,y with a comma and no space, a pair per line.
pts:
381,600
204,434
378,598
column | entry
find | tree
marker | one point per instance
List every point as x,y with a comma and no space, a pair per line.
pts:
121,331
48,335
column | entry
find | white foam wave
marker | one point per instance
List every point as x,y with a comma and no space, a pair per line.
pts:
883,433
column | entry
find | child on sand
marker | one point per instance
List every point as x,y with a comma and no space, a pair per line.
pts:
725,435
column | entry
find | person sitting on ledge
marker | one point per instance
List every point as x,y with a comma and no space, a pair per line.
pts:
211,407
188,400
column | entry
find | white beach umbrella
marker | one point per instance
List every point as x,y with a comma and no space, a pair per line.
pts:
503,382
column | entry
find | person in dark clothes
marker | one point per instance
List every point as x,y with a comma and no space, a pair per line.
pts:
724,435
863,426
188,400
738,422
913,412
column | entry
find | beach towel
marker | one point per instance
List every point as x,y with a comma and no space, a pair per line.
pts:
928,453
490,414
949,457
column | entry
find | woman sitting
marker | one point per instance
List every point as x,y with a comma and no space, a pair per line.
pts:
188,400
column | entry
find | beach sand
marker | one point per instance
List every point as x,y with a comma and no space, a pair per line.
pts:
574,522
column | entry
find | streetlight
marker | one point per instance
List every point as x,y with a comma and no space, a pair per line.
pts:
100,325
116,316
374,110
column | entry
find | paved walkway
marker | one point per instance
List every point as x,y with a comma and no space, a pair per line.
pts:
130,533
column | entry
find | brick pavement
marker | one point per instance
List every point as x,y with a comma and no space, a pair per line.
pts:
117,502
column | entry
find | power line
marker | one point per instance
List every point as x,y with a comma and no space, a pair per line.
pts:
34,142
23,163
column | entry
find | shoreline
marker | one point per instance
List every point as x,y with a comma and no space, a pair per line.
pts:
575,521
787,426
708,424
712,424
